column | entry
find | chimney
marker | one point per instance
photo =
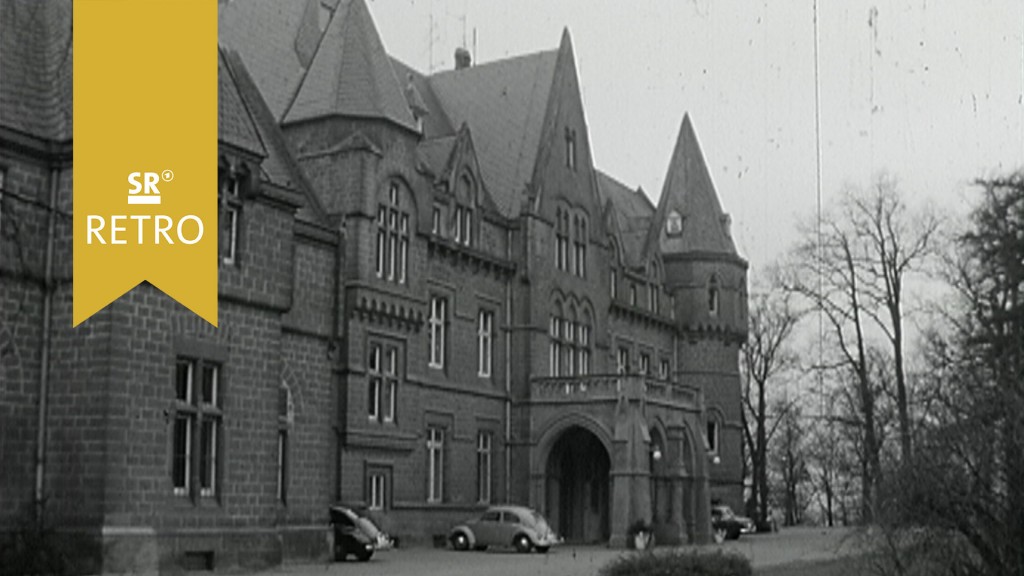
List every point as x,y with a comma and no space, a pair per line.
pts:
462,59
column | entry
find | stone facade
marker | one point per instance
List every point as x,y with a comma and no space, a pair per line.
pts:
413,320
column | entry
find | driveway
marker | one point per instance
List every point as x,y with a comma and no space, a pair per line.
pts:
794,545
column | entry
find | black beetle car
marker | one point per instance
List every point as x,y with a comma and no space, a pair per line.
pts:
355,534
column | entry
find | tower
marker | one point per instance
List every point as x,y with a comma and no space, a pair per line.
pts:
706,280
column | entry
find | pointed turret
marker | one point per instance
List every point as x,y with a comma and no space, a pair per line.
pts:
351,75
689,217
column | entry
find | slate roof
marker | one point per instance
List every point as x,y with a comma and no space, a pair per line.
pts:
234,125
35,68
689,190
267,35
632,211
504,104
436,122
351,74
278,166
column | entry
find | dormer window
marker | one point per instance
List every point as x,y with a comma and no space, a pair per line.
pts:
674,224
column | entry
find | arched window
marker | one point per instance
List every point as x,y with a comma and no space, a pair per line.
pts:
392,237
713,297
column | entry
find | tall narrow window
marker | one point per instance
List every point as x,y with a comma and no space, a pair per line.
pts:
390,401
570,149
712,435
210,430
583,348
231,205
376,382
284,417
622,364
485,338
467,227
376,488
197,425
614,284
392,238
580,249
632,294
713,296
184,419
562,240
435,221
438,320
435,464
484,440
645,363
457,232
664,369
282,466
569,346
555,351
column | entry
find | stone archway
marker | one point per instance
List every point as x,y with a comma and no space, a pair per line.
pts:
578,487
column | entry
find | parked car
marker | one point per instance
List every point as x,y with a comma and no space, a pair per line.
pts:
726,525
516,526
356,534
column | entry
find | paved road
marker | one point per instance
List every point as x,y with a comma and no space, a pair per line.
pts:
796,545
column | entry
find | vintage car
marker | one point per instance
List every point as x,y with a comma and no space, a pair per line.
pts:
726,525
356,534
516,526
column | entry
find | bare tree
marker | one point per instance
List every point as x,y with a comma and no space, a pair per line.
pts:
765,356
789,459
897,243
826,270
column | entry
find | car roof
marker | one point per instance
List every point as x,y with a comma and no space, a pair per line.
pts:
511,508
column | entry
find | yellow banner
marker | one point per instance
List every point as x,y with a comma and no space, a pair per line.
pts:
145,152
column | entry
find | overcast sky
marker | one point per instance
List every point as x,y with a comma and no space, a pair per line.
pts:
929,91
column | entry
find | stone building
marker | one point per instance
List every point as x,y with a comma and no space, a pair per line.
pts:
430,300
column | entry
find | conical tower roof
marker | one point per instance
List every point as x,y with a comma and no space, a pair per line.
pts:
351,74
701,226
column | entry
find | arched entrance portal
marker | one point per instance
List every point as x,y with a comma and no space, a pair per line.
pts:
577,491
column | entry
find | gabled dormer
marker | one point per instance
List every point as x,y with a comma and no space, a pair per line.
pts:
460,197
